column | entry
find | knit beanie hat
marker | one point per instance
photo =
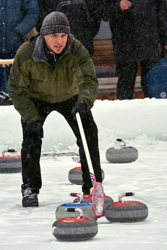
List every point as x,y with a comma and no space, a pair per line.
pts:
55,22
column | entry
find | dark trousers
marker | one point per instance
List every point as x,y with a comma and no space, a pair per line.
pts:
5,70
126,78
31,147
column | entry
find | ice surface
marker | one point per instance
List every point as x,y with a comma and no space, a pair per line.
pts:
143,125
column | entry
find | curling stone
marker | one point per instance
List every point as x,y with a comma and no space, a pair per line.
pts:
86,208
128,211
88,198
122,154
10,164
75,228
75,176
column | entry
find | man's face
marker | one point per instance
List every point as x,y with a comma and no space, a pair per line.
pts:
56,42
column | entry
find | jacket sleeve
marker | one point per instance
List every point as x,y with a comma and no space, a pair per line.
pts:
111,8
18,84
31,15
95,10
85,76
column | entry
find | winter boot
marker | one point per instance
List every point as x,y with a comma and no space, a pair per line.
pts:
30,199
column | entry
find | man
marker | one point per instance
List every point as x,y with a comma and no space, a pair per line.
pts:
17,18
138,27
53,72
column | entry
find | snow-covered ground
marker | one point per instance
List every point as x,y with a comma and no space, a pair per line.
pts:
143,125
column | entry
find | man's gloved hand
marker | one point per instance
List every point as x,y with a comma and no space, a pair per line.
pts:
35,129
80,108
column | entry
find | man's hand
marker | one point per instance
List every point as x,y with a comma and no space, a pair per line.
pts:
125,5
80,108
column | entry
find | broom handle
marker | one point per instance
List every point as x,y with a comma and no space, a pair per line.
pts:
84,143
98,192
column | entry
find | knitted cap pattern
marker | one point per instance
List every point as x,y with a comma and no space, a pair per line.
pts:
55,22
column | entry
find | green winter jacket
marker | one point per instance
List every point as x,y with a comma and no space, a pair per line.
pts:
31,76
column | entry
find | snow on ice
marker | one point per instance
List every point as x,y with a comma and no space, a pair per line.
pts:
142,124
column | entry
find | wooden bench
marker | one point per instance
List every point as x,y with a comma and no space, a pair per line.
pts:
103,53
103,59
